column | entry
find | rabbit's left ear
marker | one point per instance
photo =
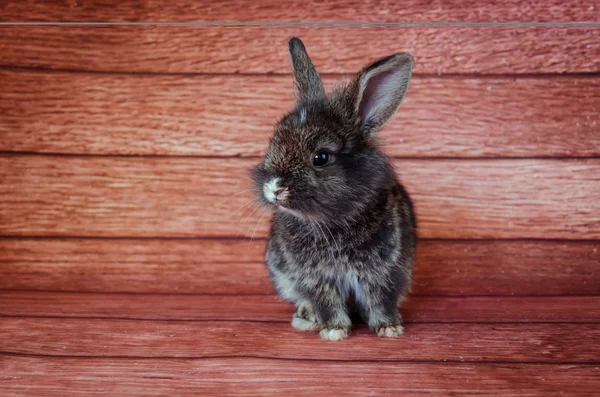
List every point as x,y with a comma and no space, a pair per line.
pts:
308,83
379,89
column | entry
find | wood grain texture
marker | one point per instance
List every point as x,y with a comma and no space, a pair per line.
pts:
159,266
417,309
125,275
235,267
296,11
559,343
48,195
232,115
35,376
254,49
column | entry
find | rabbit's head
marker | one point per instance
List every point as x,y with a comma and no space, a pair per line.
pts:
323,163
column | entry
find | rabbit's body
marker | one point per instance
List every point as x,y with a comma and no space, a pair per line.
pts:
367,262
343,233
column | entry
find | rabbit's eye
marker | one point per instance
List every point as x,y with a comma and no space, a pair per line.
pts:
321,159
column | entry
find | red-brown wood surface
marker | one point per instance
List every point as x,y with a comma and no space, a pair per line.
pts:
417,309
34,376
457,268
206,115
340,49
556,343
124,198
48,195
300,11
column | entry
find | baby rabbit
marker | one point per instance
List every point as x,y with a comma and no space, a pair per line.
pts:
343,233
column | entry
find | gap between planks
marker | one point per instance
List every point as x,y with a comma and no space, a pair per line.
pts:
459,76
301,359
258,158
272,294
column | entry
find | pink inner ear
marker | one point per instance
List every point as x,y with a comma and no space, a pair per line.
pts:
374,95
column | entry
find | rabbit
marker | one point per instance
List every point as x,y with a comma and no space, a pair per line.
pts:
343,232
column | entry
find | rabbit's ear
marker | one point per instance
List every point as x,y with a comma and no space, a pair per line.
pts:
379,89
308,83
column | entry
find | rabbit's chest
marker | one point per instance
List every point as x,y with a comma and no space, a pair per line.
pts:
339,255
344,259
343,263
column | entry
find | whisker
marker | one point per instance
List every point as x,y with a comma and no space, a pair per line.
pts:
256,227
245,204
334,240
246,219
326,239
236,194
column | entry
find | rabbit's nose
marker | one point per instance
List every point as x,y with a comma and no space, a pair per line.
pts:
281,194
275,193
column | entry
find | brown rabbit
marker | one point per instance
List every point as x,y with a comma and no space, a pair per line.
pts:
343,232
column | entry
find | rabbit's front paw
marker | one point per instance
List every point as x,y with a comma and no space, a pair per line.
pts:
304,319
334,333
389,330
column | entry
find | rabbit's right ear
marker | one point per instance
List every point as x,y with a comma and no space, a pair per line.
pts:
378,90
308,83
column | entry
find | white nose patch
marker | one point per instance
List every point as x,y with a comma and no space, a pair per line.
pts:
269,190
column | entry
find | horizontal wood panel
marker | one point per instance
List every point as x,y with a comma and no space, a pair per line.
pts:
295,11
49,376
48,195
421,342
233,115
236,267
340,49
417,309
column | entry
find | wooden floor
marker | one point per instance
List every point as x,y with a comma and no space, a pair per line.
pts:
131,251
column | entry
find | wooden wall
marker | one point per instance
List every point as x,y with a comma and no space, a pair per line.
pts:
125,148
131,251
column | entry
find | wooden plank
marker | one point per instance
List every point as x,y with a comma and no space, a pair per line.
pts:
48,195
293,11
232,267
338,49
560,343
159,266
417,309
35,376
217,115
